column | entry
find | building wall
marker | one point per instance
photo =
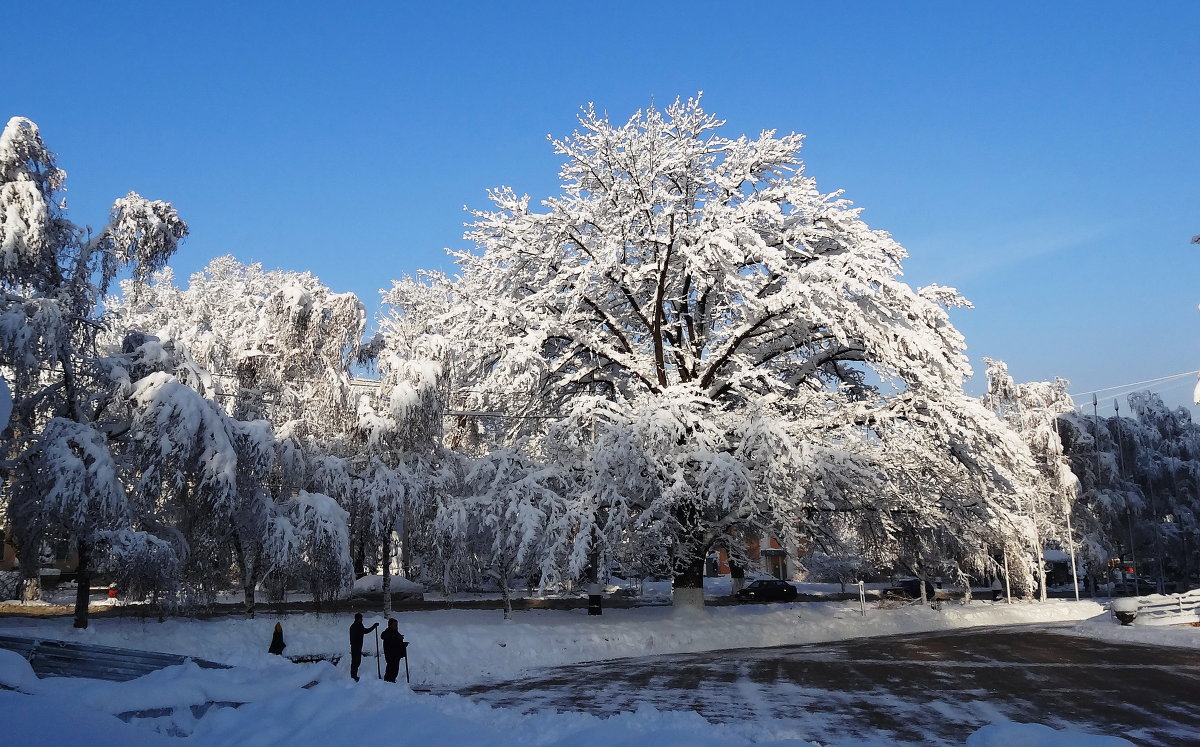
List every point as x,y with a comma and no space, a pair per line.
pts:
8,553
767,555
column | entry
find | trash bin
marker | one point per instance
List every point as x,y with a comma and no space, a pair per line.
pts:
595,599
1125,610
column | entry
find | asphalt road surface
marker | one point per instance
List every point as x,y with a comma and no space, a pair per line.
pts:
932,688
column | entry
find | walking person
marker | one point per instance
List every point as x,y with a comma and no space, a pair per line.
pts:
277,644
394,649
357,631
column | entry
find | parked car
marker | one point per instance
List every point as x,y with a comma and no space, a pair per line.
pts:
1169,586
767,590
910,588
1144,586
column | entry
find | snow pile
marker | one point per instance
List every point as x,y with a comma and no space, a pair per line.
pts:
187,685
16,674
399,585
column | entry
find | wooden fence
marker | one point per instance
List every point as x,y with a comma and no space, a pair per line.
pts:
1169,609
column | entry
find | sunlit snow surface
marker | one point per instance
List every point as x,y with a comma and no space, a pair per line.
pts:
457,648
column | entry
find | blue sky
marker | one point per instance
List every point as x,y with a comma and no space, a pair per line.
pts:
1044,158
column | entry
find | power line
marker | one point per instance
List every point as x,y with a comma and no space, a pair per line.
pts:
1135,383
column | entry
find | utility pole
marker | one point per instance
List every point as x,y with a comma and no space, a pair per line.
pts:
1007,587
1129,510
1096,453
1156,527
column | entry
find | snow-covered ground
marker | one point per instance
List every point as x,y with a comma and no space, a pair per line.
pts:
453,648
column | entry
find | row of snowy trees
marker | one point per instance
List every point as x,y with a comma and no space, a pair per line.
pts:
153,455
689,346
1139,485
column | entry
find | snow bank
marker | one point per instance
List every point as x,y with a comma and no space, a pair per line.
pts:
455,648
1036,735
1106,628
30,720
16,674
187,685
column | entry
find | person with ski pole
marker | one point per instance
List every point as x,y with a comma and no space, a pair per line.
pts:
394,649
357,632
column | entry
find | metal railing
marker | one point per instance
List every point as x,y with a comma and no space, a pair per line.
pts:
53,658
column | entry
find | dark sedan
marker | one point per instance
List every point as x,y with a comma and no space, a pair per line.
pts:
767,590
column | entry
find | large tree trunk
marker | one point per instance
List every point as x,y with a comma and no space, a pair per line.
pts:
1041,571
688,588
248,590
405,546
31,579
505,591
83,580
31,588
360,560
387,575
248,576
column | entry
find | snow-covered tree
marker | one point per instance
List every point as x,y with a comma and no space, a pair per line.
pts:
266,344
324,552
1033,409
271,350
142,565
502,517
402,422
745,338
1165,454
182,468
66,405
1141,482
1109,500
843,568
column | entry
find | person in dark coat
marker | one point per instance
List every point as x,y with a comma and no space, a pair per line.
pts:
277,644
394,649
357,631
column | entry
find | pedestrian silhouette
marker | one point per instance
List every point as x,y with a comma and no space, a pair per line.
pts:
357,631
277,644
394,649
